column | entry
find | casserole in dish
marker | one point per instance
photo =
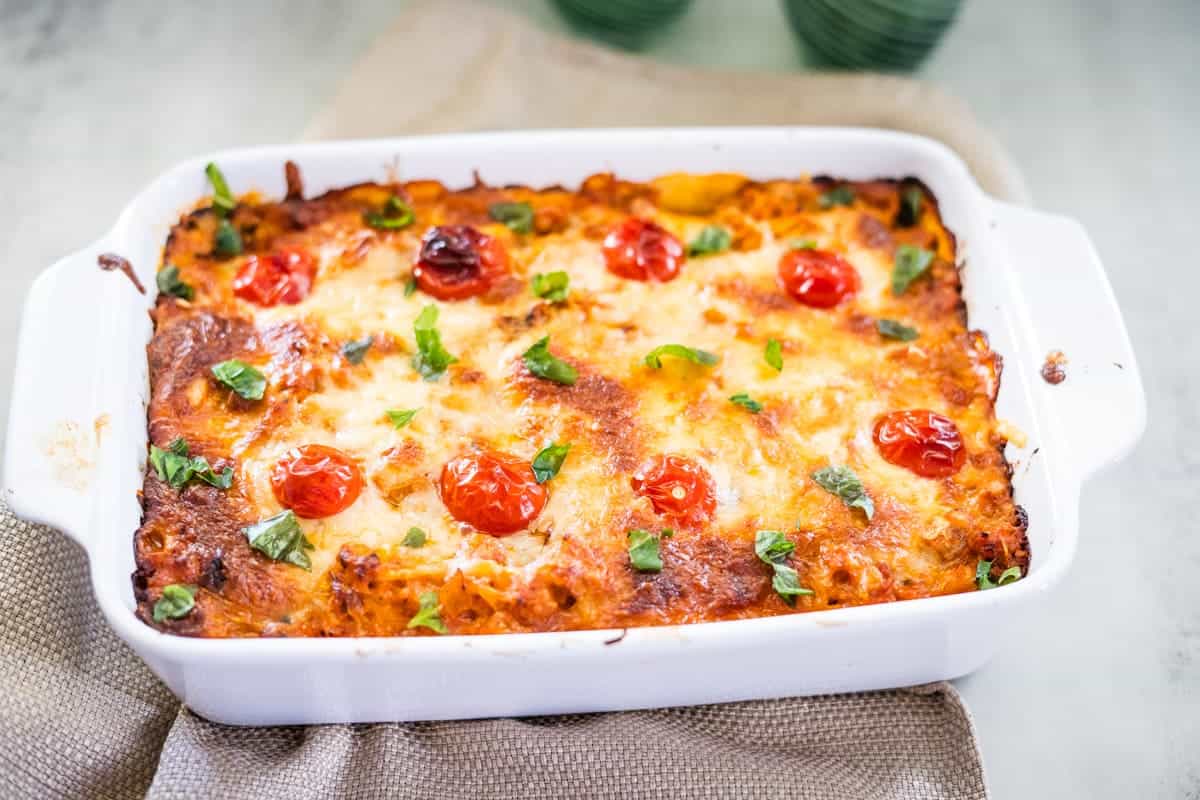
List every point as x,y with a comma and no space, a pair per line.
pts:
77,444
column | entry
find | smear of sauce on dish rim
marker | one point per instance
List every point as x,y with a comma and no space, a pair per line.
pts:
111,261
1053,371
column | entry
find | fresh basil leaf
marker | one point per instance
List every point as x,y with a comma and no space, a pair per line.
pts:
431,358
552,286
911,263
176,467
428,615
891,329
177,601
169,283
983,576
543,364
773,354
280,538
401,417
356,350
712,239
396,214
772,546
786,584
742,399
696,356
247,382
410,286
549,461
227,242
910,207
802,244
841,481
518,217
644,554
838,196
223,202
414,538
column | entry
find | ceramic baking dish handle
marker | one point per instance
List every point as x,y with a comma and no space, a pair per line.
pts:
1100,407
55,425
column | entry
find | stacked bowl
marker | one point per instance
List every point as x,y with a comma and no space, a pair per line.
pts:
887,35
624,22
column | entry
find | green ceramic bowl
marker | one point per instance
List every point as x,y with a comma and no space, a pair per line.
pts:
624,22
887,35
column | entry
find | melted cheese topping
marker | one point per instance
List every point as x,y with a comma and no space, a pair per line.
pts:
571,569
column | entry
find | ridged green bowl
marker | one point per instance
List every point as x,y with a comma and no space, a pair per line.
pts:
624,22
887,35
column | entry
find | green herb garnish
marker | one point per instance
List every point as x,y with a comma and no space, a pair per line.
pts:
712,239
431,358
178,600
549,461
838,196
644,554
773,548
544,365
414,538
983,576
910,207
696,356
356,351
169,283
841,481
223,202
396,214
410,286
552,286
891,329
401,417
802,244
518,217
247,382
428,615
911,263
742,399
176,467
773,354
280,538
227,242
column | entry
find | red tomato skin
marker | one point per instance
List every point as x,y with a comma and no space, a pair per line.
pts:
458,261
818,278
316,481
285,276
920,441
678,488
492,492
641,250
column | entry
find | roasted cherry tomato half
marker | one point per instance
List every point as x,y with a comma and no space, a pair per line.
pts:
678,488
316,481
642,250
922,441
458,261
285,276
492,492
817,278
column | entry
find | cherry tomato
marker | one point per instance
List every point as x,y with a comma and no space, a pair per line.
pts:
285,276
922,441
678,488
492,492
642,250
316,481
458,261
817,278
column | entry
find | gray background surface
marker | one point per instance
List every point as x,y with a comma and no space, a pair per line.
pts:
1098,696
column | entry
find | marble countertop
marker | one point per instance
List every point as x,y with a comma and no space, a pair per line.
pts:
1098,695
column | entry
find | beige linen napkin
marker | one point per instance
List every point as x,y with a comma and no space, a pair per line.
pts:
80,716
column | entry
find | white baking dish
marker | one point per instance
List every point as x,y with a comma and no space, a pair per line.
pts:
77,445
